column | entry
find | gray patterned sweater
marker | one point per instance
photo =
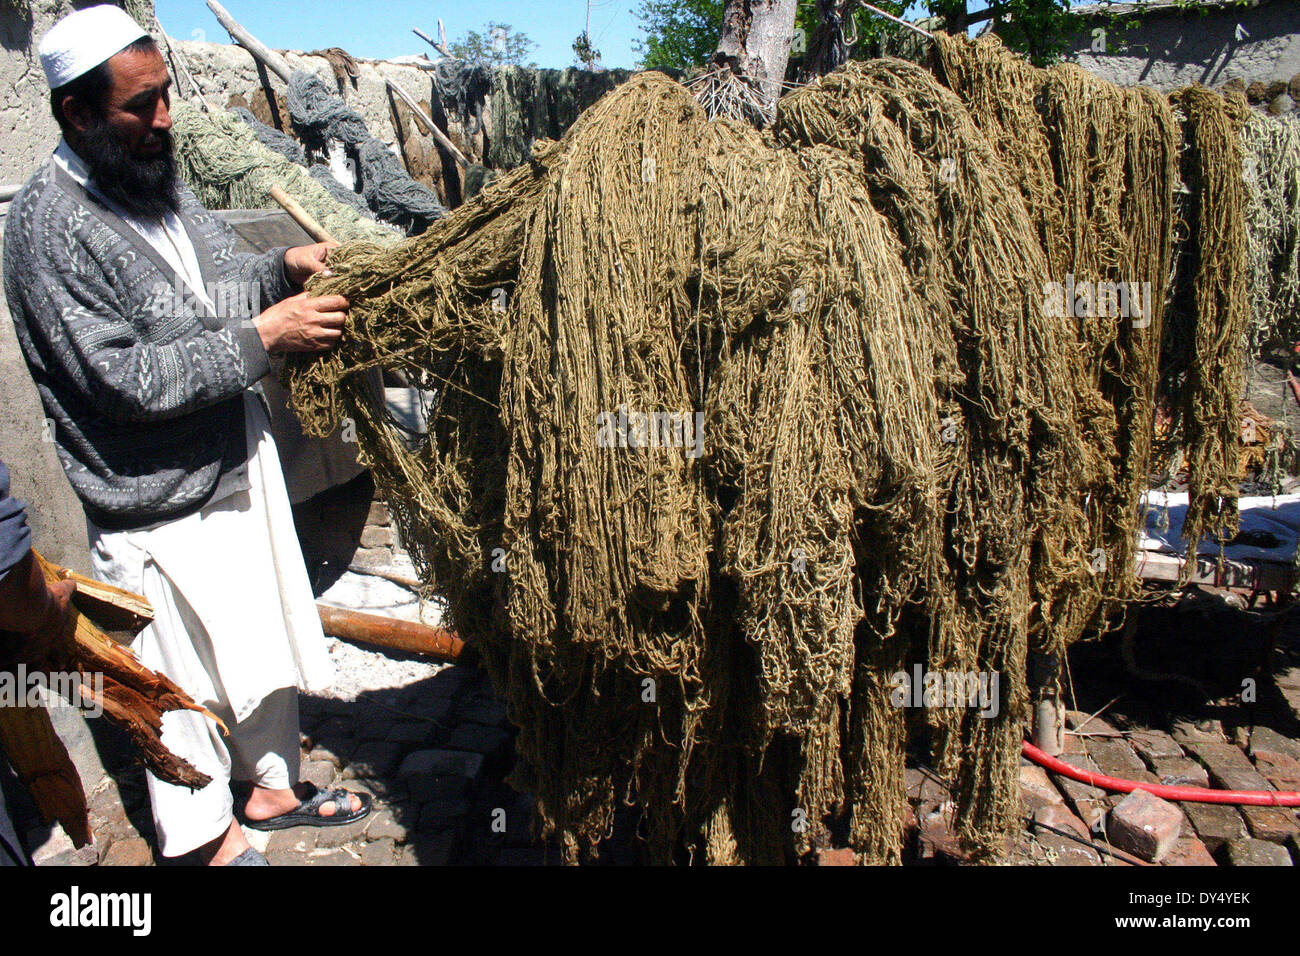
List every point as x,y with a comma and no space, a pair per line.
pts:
144,385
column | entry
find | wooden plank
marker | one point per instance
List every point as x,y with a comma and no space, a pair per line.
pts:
1251,576
120,614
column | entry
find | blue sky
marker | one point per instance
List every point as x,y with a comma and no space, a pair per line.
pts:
382,28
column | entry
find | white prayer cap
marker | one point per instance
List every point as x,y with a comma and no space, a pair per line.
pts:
84,39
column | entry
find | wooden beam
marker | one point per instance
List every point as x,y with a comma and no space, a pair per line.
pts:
301,216
438,134
409,583
181,68
272,60
436,642
440,47
1245,575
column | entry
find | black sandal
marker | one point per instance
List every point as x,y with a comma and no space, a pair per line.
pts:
307,813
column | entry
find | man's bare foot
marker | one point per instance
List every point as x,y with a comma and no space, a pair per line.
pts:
226,847
265,803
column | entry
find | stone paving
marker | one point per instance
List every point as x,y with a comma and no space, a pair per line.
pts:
1072,824
1247,737
434,754
431,754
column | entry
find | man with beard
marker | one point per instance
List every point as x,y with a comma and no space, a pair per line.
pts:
112,272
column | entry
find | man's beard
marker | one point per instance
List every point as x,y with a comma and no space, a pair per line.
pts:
145,188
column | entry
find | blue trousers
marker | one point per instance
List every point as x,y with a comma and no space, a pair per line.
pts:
12,852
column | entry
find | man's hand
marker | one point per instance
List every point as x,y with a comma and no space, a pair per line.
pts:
303,262
36,619
302,323
50,646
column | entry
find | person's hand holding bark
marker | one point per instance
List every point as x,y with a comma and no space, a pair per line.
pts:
36,618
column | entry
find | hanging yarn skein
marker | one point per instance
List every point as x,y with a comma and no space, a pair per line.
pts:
320,116
228,168
735,432
292,150
272,138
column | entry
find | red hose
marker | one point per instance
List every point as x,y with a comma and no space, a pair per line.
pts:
1249,798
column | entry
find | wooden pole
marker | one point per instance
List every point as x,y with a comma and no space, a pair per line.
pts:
272,60
901,22
436,642
410,584
181,68
438,134
301,216
440,47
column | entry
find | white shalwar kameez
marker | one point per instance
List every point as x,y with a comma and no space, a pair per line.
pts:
235,623
235,626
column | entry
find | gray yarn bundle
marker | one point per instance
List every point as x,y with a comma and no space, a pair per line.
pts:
272,138
323,175
463,88
226,165
319,116
292,150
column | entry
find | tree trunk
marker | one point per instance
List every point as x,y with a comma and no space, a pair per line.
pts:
956,18
828,49
755,45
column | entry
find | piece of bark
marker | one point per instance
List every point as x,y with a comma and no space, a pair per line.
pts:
133,696
755,44
141,718
41,761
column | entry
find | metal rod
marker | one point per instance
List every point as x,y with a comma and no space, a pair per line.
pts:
901,22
